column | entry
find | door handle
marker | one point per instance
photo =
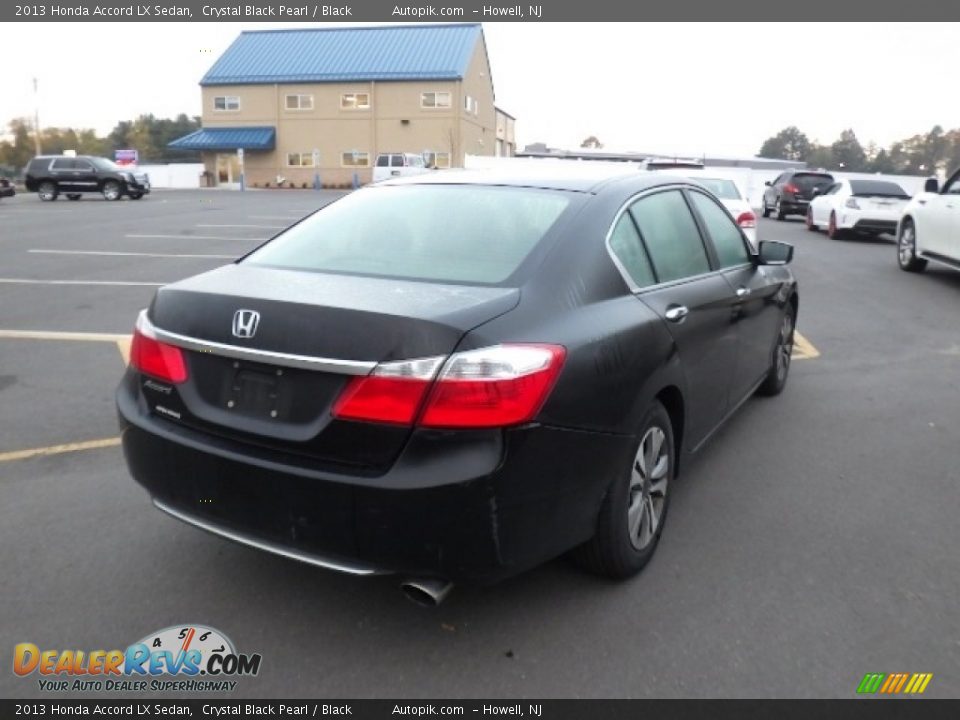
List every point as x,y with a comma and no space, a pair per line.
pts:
676,313
922,202
742,292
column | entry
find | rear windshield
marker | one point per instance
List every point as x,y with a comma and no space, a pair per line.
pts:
877,188
724,189
808,181
441,233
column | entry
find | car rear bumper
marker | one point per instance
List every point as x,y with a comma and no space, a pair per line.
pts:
474,507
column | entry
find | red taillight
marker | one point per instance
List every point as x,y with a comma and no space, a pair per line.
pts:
492,387
747,220
791,188
152,357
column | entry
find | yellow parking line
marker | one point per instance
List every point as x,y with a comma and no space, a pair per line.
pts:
803,349
122,341
59,449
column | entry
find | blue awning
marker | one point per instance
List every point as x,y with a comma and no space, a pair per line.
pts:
227,138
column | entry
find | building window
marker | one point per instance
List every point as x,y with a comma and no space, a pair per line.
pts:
355,159
299,102
226,102
355,101
467,103
435,100
301,159
437,159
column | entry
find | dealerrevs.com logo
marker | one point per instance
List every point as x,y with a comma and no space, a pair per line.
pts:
182,658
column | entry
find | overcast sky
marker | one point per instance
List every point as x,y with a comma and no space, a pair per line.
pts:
686,88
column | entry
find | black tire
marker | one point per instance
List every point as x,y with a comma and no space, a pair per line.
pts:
778,209
111,190
833,232
907,249
776,378
73,196
616,550
810,226
48,191
136,195
765,210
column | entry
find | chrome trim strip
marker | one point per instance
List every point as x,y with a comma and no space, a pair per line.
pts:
266,545
306,362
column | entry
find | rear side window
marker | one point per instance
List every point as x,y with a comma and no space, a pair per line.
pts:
444,233
726,236
627,247
64,164
671,236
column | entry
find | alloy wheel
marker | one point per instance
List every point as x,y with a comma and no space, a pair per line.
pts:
907,245
784,347
648,488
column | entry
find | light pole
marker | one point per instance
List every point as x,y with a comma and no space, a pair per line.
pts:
36,119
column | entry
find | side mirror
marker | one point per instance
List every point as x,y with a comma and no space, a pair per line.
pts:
767,183
931,185
774,253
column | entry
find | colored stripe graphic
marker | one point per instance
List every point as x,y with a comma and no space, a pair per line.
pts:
894,683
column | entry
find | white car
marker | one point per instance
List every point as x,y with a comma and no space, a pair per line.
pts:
729,194
862,206
929,228
391,165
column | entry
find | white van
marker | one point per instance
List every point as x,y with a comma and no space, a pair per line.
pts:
398,165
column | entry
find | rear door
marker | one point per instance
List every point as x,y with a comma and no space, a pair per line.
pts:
754,310
63,171
693,300
941,221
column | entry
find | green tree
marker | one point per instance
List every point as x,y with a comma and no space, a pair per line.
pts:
848,153
820,156
788,144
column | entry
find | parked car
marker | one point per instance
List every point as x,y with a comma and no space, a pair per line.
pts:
6,188
390,165
863,206
733,200
471,374
929,228
50,175
792,191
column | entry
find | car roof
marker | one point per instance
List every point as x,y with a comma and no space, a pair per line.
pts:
548,177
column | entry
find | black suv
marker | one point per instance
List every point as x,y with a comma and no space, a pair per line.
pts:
50,175
792,191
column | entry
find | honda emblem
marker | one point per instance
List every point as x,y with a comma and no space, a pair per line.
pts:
245,323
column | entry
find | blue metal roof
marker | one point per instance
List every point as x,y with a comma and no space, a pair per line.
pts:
405,52
227,138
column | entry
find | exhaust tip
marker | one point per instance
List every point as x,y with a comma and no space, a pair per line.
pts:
426,592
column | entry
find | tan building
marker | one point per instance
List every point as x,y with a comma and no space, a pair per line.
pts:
297,106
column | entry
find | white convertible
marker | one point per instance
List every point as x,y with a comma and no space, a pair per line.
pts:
863,206
929,228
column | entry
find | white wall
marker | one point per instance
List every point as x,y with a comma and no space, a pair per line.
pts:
750,181
175,175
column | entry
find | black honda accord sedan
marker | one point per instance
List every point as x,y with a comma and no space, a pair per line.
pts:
458,376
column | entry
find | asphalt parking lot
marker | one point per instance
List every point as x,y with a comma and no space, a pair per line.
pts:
814,540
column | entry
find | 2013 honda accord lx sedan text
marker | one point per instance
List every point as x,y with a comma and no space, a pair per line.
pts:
458,376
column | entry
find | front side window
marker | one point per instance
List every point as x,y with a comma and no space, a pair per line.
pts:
726,236
435,100
355,101
627,247
670,235
355,159
226,102
301,159
299,102
440,233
